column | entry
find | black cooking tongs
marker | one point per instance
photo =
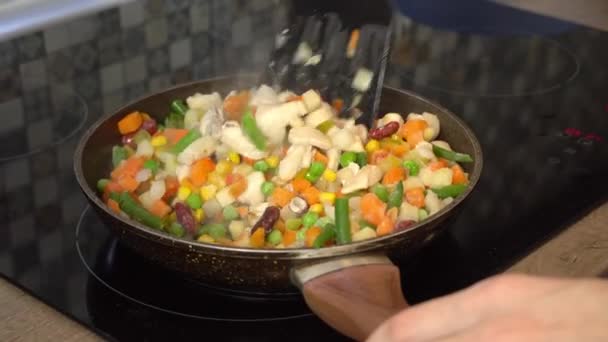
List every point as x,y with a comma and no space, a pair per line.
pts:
337,47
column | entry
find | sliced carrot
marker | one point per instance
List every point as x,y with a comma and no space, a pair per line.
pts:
311,235
393,176
187,183
232,178
248,161
171,187
289,237
400,150
243,211
237,188
129,168
257,238
235,105
311,195
128,183
300,184
200,170
411,126
281,197
338,105
415,197
130,123
377,156
438,164
372,208
113,205
320,157
458,176
160,208
353,42
386,226
174,135
280,225
112,186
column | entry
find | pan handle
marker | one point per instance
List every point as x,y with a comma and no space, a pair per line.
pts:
353,294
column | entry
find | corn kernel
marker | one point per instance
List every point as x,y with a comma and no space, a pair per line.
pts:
183,192
158,141
223,167
199,215
396,137
217,180
317,208
329,175
327,197
372,145
208,192
273,161
234,157
206,238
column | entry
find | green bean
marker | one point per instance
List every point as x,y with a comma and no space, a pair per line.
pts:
347,158
215,230
328,233
174,120
315,172
342,221
252,131
118,154
179,107
138,213
451,155
413,168
363,224
450,190
381,191
152,165
184,142
396,197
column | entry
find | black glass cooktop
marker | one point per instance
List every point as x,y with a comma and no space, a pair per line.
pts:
532,88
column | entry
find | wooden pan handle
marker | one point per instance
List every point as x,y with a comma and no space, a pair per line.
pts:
354,295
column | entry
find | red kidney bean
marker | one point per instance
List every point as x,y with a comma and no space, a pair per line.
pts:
150,126
184,217
267,220
404,225
128,140
384,131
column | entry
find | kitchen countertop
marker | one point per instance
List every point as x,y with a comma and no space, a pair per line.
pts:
578,251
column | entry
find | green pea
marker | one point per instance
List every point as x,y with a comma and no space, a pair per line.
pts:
301,234
422,214
293,223
316,168
177,230
230,213
267,188
412,167
194,201
347,158
261,165
215,230
102,183
381,191
309,219
275,237
361,159
152,165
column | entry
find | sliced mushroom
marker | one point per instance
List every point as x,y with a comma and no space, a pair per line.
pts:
253,194
233,136
200,148
298,205
211,123
204,102
366,176
309,136
333,158
390,117
346,140
319,116
274,120
425,150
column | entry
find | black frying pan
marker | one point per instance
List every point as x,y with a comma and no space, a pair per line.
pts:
352,287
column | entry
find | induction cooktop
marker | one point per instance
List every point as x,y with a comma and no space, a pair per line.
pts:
535,97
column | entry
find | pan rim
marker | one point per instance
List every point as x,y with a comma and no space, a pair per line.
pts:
287,253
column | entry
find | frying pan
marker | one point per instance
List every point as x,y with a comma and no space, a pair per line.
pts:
352,287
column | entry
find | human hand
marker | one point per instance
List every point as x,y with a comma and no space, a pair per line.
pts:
507,308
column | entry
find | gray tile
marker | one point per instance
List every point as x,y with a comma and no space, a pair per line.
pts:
110,49
202,68
8,54
83,29
85,57
30,46
200,46
112,77
156,33
10,83
136,69
134,41
177,5
22,231
60,66
45,191
12,115
155,8
131,14
259,5
16,174
241,31
56,37
44,162
109,21
113,101
158,61
51,246
181,53
36,104
179,26
135,91
199,16
33,74
39,134
159,82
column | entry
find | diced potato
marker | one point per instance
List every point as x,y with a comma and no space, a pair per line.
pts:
311,100
408,212
192,118
236,228
432,202
319,116
412,182
364,234
145,149
426,175
212,207
204,102
433,122
182,172
441,178
224,197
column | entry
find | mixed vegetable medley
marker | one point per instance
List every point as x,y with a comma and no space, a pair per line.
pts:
264,169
